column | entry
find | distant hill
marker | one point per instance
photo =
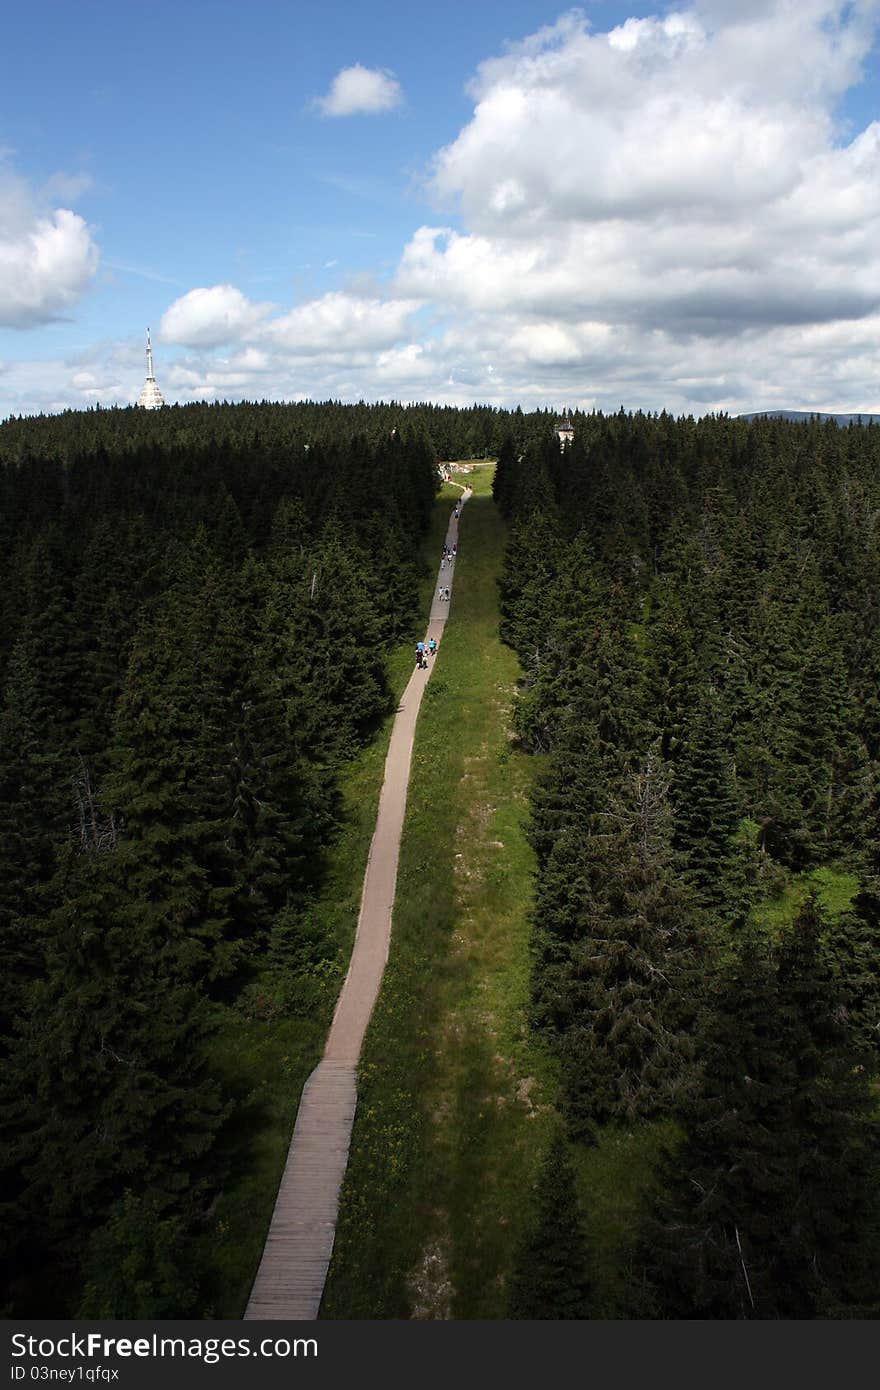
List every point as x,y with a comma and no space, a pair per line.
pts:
865,419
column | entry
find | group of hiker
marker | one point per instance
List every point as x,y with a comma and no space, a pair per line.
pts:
449,554
423,651
426,649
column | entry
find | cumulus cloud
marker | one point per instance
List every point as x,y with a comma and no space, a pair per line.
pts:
668,214
48,257
361,91
210,317
345,344
676,187
340,322
105,388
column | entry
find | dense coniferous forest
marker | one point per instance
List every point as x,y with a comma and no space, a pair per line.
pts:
695,608
198,605
197,609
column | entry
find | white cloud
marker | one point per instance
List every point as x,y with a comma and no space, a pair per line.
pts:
335,345
210,317
109,387
358,90
657,116
404,365
341,322
499,359
48,257
675,190
668,215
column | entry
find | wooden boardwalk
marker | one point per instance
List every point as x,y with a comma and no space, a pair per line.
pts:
290,1280
293,1269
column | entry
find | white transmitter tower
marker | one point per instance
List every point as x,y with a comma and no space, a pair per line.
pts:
151,397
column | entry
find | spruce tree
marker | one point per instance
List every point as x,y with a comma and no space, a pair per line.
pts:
550,1279
29,826
140,1264
832,1245
620,951
705,804
710,1248
769,1207
106,1086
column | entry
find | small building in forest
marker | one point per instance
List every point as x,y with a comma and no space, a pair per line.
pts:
565,431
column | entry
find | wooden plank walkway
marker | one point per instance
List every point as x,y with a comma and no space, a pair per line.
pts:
297,1250
290,1280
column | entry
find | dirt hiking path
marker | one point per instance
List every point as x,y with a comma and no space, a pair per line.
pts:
293,1269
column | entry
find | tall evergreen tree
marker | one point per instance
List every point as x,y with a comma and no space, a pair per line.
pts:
705,804
106,1086
769,1207
550,1278
619,958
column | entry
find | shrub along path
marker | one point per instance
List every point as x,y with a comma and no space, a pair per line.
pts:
290,1279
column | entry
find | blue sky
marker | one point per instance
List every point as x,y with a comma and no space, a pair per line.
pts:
660,206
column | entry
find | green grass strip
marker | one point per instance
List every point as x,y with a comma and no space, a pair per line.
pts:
455,1096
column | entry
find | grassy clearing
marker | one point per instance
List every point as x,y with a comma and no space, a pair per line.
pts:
455,1097
834,887
787,892
265,1062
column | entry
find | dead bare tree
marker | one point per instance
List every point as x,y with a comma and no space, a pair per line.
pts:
97,833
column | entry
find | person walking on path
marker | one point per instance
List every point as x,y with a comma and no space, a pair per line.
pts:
432,646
